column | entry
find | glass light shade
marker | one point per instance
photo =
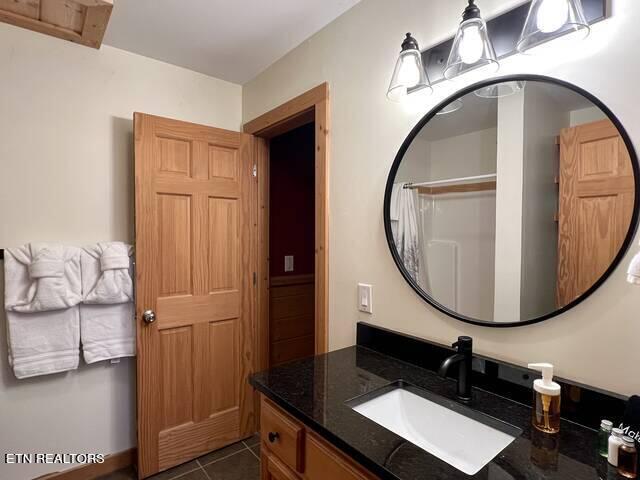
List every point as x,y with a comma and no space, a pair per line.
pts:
408,75
551,19
500,90
471,50
451,107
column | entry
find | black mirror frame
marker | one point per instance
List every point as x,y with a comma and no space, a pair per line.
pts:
431,114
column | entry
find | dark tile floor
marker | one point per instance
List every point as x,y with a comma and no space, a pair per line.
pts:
240,461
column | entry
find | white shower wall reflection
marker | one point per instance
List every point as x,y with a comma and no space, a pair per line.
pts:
457,228
495,242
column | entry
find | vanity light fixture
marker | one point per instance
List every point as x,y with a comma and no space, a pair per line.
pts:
551,19
479,46
500,90
409,74
472,49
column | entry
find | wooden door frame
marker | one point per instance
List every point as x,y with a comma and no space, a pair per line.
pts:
312,105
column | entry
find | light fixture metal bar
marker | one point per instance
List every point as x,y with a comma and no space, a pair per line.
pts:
504,32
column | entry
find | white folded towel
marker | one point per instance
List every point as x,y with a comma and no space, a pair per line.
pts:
107,321
106,273
44,342
42,277
42,290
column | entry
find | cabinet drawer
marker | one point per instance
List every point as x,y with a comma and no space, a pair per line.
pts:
323,462
274,469
282,435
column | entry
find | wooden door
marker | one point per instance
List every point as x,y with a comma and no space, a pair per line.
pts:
595,205
194,236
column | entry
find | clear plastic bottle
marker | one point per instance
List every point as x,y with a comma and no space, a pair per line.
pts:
628,458
545,414
603,437
615,442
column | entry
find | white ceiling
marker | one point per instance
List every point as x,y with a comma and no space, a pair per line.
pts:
476,114
229,39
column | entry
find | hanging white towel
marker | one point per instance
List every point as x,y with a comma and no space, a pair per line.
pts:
42,277
107,322
43,343
42,290
404,225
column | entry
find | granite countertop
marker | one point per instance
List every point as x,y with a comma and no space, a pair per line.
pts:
314,390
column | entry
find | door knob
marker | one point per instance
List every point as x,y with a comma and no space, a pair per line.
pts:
149,316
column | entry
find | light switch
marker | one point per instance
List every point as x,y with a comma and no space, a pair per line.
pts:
288,263
365,298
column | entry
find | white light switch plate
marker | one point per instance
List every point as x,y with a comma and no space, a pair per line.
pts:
288,263
365,298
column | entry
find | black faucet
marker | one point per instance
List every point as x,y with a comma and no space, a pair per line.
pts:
463,358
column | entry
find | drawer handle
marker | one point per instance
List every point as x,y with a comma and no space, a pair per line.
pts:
273,436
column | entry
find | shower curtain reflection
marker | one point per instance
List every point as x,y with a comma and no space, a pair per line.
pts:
407,232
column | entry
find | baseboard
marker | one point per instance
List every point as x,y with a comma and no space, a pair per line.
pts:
112,462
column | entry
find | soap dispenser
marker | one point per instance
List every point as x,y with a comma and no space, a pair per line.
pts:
545,414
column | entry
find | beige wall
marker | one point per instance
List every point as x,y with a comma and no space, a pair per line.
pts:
66,153
465,155
597,342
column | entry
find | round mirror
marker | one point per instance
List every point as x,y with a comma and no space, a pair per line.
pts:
512,201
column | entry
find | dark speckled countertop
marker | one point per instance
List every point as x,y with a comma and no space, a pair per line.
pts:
314,390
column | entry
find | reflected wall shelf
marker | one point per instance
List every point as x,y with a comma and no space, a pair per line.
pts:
79,21
478,183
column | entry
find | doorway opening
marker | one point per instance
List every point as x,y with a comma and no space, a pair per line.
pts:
297,129
291,245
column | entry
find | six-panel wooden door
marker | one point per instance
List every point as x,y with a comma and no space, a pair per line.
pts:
595,205
194,222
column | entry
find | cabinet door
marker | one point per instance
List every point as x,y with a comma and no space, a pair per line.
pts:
283,435
323,462
273,469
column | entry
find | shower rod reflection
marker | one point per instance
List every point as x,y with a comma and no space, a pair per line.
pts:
452,181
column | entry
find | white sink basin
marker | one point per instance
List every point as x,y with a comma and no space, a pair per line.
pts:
465,443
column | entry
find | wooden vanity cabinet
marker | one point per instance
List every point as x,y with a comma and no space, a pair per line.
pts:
274,469
283,435
292,451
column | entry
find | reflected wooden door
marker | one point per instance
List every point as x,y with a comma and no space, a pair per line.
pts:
595,205
194,222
